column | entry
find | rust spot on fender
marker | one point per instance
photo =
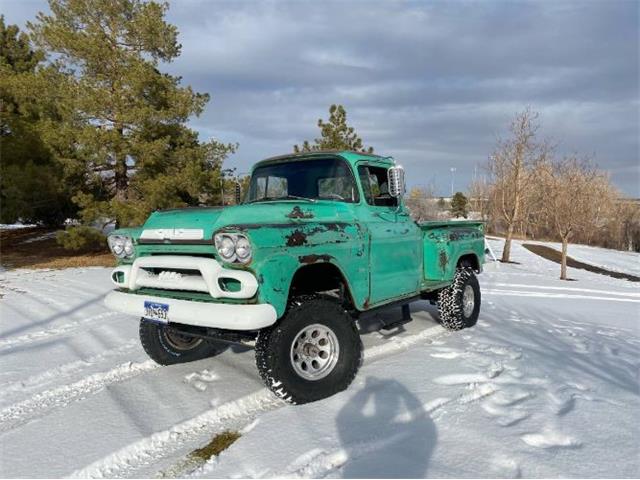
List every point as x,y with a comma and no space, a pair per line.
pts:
296,239
442,260
335,227
298,213
309,259
366,303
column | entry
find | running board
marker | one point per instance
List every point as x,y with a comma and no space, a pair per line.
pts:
406,318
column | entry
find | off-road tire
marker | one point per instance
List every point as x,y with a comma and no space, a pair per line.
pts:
450,301
273,350
157,342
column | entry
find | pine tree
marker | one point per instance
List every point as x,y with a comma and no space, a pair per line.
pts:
121,132
31,187
459,205
335,135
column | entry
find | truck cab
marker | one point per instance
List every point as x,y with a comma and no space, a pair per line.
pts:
320,239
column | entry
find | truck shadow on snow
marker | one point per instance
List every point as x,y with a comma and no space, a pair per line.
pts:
385,432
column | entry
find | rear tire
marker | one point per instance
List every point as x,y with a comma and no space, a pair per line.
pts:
314,352
167,347
459,303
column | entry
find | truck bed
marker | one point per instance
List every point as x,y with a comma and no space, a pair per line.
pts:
446,242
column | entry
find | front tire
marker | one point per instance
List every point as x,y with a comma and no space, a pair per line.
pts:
459,303
314,352
167,346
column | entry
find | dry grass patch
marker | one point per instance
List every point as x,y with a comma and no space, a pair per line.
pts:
220,442
36,247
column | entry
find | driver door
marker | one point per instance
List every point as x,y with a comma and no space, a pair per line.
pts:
395,256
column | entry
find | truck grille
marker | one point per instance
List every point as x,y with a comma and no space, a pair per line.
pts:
185,273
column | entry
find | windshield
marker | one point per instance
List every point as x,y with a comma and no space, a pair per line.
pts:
321,179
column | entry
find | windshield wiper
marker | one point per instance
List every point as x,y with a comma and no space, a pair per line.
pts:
284,197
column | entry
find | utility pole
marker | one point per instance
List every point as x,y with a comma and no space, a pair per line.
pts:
453,176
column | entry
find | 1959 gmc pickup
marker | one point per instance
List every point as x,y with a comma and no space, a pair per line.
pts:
320,240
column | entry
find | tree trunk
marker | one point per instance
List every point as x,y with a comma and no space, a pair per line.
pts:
506,251
120,167
120,172
121,180
563,262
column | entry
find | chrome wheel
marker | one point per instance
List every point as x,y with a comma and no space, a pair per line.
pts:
468,301
314,352
180,341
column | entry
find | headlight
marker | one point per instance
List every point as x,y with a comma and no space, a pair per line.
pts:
226,247
233,247
128,246
121,246
243,248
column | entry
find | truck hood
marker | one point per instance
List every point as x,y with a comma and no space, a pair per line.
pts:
211,219
191,218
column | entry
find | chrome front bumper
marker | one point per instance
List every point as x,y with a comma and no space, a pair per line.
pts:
227,316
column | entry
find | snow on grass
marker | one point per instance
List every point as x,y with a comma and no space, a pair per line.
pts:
615,260
626,262
545,385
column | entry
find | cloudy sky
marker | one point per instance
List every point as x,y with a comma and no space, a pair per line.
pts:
432,84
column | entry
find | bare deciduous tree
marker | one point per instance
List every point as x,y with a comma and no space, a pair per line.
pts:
572,197
422,203
510,167
479,193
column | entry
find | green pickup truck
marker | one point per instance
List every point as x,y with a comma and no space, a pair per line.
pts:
320,241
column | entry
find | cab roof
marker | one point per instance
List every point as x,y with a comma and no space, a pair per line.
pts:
350,156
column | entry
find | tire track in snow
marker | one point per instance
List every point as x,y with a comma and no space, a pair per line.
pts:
399,344
490,285
159,445
519,293
319,463
42,403
40,380
38,297
9,343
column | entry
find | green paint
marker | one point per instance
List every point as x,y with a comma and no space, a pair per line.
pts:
382,254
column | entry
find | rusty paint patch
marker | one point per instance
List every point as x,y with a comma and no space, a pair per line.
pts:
464,234
442,260
309,259
296,239
365,305
335,227
298,213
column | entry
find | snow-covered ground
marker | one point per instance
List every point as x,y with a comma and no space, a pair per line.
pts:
14,226
545,385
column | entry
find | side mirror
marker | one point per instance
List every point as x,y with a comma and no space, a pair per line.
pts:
395,181
238,193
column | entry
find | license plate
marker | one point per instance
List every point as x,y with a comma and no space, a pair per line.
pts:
156,311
